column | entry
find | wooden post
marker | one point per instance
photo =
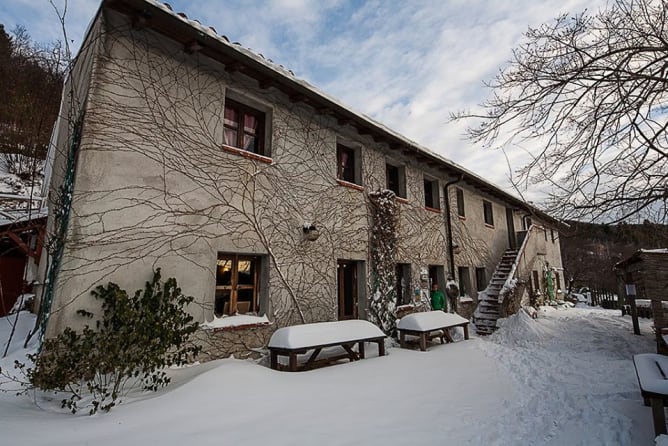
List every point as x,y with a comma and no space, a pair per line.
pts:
630,291
658,416
423,341
361,349
381,347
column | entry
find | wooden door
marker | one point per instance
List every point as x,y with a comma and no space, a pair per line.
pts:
347,289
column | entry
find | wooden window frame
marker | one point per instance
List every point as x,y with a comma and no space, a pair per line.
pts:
235,287
356,168
243,110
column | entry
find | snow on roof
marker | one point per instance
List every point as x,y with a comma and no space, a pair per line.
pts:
239,320
429,320
655,251
636,256
322,333
8,217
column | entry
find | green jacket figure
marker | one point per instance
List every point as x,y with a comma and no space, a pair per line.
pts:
437,298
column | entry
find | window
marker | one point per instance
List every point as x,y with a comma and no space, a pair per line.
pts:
396,180
480,278
460,203
244,127
403,283
237,283
348,288
489,214
431,199
464,280
527,222
348,165
536,282
557,280
552,235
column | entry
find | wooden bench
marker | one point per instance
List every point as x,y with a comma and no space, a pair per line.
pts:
300,339
651,369
429,325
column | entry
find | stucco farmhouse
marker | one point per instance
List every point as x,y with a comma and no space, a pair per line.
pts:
263,196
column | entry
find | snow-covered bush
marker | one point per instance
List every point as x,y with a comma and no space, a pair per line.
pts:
23,166
136,338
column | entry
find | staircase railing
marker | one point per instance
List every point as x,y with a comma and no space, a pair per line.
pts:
508,284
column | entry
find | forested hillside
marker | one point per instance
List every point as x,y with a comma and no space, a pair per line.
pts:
590,251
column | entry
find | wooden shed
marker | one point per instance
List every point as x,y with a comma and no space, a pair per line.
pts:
20,248
646,271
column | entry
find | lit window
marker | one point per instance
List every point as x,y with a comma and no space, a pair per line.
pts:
237,283
244,127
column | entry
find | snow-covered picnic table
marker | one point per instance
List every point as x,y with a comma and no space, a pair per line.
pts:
299,339
430,324
651,370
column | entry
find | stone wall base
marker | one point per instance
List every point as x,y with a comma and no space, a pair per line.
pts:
245,342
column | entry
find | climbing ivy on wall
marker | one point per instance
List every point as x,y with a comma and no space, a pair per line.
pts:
384,223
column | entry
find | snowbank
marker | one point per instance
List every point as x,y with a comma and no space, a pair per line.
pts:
565,378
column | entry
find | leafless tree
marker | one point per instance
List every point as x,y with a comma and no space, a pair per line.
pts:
586,95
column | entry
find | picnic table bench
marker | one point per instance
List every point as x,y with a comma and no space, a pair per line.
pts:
300,339
430,324
651,370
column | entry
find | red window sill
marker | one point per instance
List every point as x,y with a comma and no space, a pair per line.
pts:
462,217
350,185
487,225
247,154
437,211
402,200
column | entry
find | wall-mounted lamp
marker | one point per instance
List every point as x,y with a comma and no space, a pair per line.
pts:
456,249
311,233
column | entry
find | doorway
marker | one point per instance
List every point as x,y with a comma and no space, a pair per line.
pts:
347,285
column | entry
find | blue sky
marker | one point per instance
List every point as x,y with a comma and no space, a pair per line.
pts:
407,64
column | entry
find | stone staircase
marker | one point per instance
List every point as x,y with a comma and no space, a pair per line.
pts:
487,312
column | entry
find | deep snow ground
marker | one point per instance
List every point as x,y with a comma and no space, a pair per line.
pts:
565,378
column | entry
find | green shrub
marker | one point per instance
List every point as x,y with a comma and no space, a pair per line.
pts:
133,342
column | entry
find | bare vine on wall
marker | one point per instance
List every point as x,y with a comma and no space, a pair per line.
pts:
384,217
155,187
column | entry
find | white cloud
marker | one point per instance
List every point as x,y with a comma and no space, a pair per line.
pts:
406,64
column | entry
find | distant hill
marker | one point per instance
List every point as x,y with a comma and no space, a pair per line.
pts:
590,251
